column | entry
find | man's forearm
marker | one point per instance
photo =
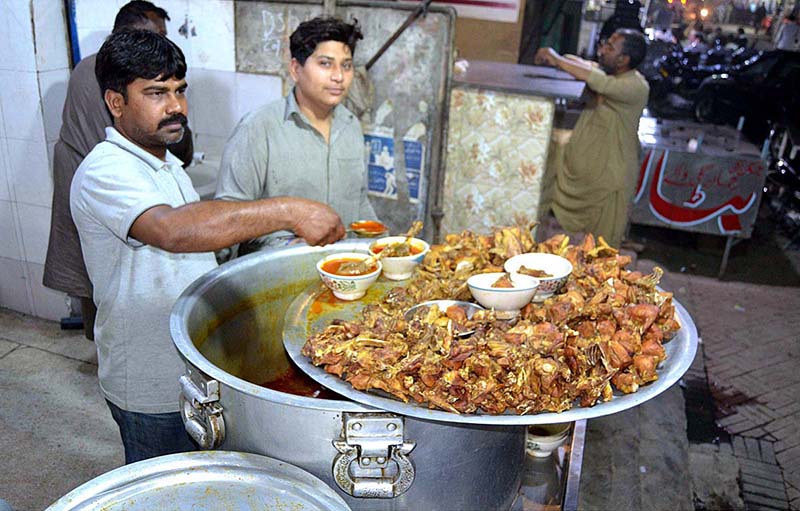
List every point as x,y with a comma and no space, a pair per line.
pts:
207,226
578,68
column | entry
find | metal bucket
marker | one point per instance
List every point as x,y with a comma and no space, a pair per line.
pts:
228,328
203,481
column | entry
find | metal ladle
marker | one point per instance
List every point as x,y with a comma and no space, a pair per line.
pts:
469,307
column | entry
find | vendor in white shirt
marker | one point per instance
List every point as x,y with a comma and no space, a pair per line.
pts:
145,236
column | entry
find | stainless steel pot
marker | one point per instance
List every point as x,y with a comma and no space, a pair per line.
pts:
228,328
203,481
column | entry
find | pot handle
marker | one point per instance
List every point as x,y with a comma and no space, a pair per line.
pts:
373,487
201,412
373,441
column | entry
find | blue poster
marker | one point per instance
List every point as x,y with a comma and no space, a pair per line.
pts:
380,166
413,151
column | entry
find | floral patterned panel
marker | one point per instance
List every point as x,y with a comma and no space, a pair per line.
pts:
496,152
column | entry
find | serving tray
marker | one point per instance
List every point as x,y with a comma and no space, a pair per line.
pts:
314,309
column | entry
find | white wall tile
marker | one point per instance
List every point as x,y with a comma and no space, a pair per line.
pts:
211,146
16,36
178,11
91,39
35,225
5,190
53,86
30,173
14,290
21,105
96,14
47,303
211,96
5,167
9,241
50,27
253,91
213,45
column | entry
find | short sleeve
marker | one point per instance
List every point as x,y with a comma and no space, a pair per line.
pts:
115,193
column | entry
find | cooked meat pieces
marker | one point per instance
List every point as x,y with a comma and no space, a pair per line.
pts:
603,331
539,274
503,282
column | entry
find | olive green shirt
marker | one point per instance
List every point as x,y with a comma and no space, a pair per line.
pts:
596,179
274,151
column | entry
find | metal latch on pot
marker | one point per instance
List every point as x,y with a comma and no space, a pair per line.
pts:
200,410
376,443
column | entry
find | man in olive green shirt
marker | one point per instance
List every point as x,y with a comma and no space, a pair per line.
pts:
596,179
306,144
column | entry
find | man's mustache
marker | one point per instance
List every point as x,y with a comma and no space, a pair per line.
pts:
173,119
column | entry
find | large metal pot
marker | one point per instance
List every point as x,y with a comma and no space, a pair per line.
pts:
203,481
228,328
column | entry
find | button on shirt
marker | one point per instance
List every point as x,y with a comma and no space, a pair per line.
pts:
274,151
135,285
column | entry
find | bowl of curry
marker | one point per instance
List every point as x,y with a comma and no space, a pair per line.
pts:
399,257
347,279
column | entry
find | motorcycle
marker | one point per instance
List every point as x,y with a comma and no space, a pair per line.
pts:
679,73
782,186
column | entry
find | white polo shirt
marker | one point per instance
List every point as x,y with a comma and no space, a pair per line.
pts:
135,285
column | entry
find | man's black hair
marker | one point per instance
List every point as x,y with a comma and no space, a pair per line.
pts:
131,54
634,45
309,34
134,14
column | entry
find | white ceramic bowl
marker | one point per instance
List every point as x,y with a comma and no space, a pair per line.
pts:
400,268
556,266
505,301
347,287
543,439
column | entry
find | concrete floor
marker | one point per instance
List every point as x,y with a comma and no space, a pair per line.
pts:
57,432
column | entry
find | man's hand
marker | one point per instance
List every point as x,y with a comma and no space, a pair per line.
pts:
546,56
573,65
316,223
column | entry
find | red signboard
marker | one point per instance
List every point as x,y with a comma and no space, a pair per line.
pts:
711,194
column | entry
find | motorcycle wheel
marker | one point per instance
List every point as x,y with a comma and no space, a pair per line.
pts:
705,109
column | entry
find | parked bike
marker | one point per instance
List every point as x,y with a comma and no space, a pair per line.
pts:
677,75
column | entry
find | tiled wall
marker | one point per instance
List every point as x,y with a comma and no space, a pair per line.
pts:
35,70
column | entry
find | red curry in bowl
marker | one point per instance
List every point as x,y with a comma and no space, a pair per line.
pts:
334,265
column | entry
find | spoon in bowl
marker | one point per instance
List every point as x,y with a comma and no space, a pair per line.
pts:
469,308
363,266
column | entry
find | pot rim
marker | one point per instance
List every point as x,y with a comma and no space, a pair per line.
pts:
180,335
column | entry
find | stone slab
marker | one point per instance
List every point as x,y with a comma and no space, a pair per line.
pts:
715,480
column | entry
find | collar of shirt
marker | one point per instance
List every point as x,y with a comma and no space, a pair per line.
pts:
341,116
116,138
